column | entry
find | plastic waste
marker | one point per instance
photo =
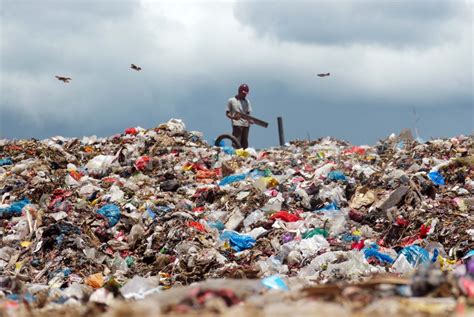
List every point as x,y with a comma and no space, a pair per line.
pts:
142,163
232,179
312,233
374,253
139,287
275,282
336,176
238,241
14,209
95,280
6,161
329,207
111,213
436,178
100,165
285,216
415,255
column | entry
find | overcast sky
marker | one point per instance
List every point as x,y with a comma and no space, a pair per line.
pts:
386,58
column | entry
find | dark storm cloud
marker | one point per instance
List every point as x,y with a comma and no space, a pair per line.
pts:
195,56
343,22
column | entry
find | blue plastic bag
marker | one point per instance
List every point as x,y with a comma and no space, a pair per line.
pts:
436,178
17,206
232,179
336,176
275,282
331,207
228,150
256,173
238,242
415,255
372,252
14,209
468,255
218,225
111,212
6,161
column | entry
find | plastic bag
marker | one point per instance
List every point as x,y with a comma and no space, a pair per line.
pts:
329,207
241,153
14,209
436,178
95,280
275,282
337,176
111,212
132,131
373,252
237,241
312,233
285,216
100,165
6,161
232,179
142,163
415,255
197,225
139,287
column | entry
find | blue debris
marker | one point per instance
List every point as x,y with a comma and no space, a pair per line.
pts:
372,252
14,209
336,176
415,255
232,179
111,212
331,207
275,282
238,242
6,161
436,178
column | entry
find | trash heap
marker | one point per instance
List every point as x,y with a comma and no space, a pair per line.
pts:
88,225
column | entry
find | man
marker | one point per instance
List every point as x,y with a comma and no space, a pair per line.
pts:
236,105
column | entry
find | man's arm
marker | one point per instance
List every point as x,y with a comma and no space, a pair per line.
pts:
230,113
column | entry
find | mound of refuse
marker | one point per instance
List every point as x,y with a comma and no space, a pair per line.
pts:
159,218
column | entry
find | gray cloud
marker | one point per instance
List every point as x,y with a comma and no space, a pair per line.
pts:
343,22
194,56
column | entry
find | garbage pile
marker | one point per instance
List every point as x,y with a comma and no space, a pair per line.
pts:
94,223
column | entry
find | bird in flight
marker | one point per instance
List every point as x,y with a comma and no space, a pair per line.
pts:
135,67
324,75
64,79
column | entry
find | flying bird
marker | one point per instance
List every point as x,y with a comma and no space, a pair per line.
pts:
64,79
324,75
135,67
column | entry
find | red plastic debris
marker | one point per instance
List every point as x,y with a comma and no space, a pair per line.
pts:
132,131
358,245
355,150
142,162
402,222
285,216
424,231
197,225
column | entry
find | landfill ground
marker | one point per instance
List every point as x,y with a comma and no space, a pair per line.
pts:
156,222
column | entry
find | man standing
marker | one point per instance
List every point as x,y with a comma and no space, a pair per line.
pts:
236,105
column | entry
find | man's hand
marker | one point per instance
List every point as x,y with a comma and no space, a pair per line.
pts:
236,116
